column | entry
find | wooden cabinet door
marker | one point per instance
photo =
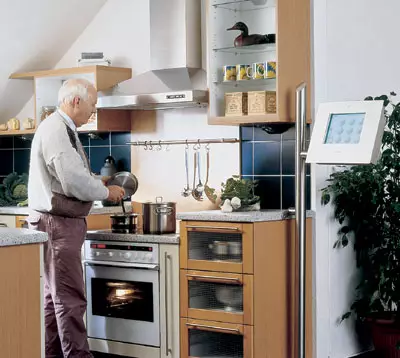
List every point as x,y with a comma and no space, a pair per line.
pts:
214,339
216,246
217,296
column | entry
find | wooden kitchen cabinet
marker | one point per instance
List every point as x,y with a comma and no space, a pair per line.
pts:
21,302
47,83
169,308
250,304
290,21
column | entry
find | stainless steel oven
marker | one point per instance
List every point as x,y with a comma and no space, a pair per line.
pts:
122,287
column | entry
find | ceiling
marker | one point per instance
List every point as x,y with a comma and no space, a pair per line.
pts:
34,35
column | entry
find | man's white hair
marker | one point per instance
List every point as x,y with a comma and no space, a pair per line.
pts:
73,88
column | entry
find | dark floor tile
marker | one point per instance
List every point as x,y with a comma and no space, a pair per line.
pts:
247,158
24,142
21,160
269,190
246,133
122,156
120,138
6,142
262,135
288,192
97,157
6,166
84,138
103,140
267,158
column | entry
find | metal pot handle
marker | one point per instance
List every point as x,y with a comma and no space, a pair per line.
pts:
160,211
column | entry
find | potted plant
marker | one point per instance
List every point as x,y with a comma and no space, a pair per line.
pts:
366,202
237,194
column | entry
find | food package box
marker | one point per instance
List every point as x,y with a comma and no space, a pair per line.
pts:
261,102
235,104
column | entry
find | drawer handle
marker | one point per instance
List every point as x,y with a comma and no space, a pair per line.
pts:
213,227
3,225
234,330
215,278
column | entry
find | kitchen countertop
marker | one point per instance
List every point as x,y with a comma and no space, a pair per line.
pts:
25,211
13,237
103,235
246,217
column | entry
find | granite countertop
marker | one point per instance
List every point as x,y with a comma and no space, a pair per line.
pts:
25,211
246,217
13,237
103,235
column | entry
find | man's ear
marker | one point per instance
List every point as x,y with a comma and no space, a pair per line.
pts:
77,100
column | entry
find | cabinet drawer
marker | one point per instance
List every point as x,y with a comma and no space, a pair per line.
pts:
215,339
216,246
217,296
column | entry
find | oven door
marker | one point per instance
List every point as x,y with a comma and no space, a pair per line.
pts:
123,302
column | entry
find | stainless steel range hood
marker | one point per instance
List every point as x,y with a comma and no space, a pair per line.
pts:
177,77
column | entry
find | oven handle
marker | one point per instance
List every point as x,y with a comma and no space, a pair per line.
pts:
122,264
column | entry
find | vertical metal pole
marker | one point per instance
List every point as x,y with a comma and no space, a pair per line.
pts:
300,208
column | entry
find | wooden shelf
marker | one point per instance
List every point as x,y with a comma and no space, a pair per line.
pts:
105,76
236,120
17,132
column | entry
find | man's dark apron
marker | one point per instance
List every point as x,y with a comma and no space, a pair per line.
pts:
64,301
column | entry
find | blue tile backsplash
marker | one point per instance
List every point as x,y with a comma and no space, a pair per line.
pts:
15,152
270,159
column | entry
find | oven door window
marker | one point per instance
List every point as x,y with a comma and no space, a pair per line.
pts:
122,299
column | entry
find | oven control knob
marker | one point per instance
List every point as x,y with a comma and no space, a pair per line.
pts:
110,254
97,253
148,257
127,255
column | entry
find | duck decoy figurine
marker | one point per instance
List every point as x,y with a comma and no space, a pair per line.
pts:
244,39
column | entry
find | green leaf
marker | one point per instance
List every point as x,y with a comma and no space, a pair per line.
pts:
369,98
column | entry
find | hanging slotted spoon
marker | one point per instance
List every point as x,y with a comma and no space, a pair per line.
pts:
197,191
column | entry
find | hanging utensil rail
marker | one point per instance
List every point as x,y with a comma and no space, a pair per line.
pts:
184,141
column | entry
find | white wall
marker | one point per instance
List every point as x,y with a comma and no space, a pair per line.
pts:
356,54
121,31
33,36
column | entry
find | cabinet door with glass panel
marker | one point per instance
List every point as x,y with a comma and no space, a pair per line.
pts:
216,246
217,296
215,339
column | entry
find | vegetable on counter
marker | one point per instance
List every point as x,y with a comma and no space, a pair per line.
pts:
14,190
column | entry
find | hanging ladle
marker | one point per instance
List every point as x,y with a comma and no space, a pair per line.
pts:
186,191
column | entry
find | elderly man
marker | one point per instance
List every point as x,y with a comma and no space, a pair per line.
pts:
61,191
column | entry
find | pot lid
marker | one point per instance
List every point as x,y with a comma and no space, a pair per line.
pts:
159,200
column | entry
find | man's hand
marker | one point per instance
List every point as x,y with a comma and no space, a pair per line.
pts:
105,180
116,193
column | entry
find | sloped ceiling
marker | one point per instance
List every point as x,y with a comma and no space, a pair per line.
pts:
34,35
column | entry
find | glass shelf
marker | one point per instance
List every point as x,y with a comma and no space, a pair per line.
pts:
247,49
243,5
248,83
